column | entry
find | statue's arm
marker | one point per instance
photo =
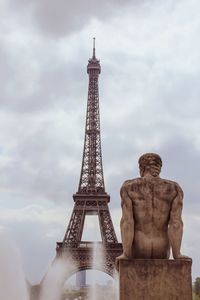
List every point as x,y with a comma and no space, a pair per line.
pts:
175,229
126,223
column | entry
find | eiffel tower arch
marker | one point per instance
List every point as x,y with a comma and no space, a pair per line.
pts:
91,197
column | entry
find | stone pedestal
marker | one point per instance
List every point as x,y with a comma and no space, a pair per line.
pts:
155,279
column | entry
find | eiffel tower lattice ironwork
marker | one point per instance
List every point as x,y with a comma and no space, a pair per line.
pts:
91,197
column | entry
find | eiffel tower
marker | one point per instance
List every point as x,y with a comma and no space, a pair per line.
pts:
91,197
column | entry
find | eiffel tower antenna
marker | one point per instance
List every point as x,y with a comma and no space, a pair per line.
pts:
94,48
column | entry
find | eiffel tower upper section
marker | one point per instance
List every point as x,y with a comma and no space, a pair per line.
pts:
91,179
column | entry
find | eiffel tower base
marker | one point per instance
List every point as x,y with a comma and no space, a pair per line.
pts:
82,256
155,279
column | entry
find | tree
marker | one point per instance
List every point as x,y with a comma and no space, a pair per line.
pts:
197,286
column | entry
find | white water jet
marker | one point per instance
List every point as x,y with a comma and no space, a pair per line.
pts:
98,258
98,291
116,288
13,285
53,282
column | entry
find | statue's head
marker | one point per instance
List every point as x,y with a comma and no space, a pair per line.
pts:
150,163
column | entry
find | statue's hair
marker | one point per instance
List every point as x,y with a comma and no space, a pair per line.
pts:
147,157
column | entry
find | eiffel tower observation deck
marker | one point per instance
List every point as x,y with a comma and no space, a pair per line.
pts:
91,197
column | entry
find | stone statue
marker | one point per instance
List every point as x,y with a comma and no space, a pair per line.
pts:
151,221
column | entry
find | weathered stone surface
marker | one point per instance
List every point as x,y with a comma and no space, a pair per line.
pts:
155,279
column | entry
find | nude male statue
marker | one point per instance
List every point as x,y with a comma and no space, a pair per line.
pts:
151,221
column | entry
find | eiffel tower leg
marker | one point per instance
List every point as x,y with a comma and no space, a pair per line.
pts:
75,227
106,226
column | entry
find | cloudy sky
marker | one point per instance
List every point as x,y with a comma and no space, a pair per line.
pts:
149,101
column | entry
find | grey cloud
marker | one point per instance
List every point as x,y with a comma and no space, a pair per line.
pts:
6,66
50,87
154,92
181,161
40,162
59,18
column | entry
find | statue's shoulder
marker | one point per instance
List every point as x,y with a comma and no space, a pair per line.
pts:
129,183
170,182
173,184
